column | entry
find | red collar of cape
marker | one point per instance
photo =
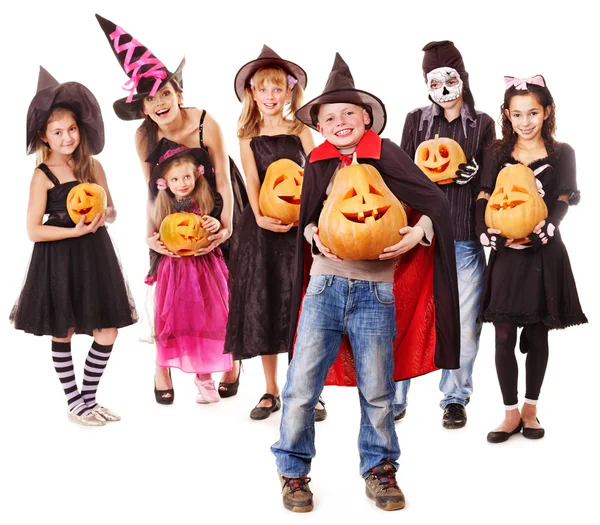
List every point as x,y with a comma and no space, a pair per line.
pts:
368,147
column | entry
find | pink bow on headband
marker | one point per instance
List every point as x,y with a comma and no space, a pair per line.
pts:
161,184
521,83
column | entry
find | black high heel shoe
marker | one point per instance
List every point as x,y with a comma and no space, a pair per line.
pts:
230,389
159,395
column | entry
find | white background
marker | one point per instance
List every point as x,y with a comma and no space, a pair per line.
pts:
192,464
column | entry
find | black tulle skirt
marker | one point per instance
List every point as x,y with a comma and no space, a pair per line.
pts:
74,284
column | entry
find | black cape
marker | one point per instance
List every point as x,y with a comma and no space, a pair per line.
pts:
412,187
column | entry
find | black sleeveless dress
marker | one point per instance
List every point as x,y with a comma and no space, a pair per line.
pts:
72,283
262,268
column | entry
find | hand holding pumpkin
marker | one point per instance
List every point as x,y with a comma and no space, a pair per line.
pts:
216,239
210,224
322,248
411,237
274,225
81,228
156,244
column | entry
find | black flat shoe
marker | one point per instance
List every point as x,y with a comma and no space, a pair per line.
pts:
159,395
533,433
400,416
501,437
230,389
264,412
321,413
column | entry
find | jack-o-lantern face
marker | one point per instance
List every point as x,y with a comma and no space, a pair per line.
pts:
439,158
279,196
86,200
183,234
515,206
361,216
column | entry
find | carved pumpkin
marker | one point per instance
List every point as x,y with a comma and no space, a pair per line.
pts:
515,206
361,216
279,196
439,158
183,234
86,200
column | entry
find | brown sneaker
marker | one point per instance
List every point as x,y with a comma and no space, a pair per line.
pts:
297,496
381,487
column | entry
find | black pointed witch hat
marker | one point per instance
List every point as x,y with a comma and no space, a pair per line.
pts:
71,95
267,57
340,88
147,74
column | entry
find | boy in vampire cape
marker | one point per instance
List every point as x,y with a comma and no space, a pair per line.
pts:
359,298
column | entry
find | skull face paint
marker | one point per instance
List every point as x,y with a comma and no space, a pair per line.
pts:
444,84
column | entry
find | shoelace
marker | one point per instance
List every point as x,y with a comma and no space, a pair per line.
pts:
296,484
385,479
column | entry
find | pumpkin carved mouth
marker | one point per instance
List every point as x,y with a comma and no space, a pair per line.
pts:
438,169
506,205
364,216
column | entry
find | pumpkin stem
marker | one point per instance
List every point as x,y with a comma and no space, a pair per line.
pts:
354,161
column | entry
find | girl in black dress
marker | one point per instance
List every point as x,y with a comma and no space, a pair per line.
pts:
528,285
74,283
262,264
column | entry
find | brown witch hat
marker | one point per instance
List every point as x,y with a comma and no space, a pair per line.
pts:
71,95
147,74
267,57
340,88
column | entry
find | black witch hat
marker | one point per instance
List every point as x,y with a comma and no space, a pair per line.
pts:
147,74
167,150
267,57
71,95
340,88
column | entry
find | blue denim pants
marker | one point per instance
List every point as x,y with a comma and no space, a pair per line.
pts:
334,306
457,385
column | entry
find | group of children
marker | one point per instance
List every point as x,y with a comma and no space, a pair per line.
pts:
274,288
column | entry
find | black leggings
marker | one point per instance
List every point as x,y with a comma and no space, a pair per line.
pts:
535,340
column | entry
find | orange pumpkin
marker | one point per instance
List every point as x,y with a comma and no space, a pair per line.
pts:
361,216
515,206
279,196
86,200
439,158
183,234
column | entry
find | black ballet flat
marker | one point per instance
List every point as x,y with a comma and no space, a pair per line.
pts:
321,413
533,433
501,437
159,394
230,389
258,413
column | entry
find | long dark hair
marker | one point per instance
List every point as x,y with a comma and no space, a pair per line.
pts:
506,144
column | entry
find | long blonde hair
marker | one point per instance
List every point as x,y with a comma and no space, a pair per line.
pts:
202,194
83,168
250,118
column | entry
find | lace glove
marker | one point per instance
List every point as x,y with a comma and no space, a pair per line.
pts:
466,172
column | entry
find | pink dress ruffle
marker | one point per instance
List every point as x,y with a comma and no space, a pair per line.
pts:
191,307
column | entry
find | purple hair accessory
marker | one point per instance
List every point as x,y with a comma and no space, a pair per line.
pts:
161,184
170,153
292,81
201,169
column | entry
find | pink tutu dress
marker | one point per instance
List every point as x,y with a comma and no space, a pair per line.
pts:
190,313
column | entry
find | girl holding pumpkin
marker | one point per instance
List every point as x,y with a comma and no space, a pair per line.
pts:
74,283
529,283
262,265
157,98
190,301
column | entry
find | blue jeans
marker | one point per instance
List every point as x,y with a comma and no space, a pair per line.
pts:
365,311
457,385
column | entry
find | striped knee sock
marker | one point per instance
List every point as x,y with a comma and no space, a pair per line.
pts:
95,364
63,364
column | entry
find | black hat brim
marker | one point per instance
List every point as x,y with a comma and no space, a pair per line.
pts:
370,102
247,71
71,95
133,110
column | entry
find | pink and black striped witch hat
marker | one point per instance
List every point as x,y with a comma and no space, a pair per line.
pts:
147,74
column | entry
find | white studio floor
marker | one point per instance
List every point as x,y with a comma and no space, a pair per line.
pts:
190,463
